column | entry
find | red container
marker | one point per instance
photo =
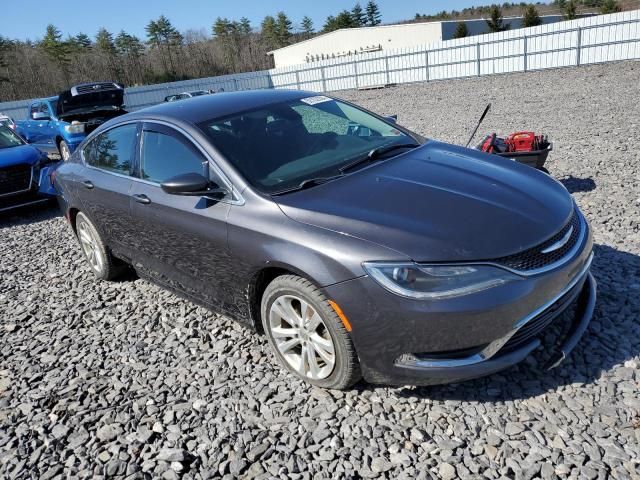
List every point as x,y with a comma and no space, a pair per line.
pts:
523,142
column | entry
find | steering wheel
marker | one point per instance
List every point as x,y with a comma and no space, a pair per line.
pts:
319,141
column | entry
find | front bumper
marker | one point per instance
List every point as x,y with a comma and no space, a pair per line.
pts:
406,342
478,365
40,189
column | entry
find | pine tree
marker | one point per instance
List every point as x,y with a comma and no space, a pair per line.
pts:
104,42
345,20
571,10
358,15
163,35
530,17
221,27
129,44
130,47
495,23
609,6
269,31
373,14
330,24
461,30
307,26
244,26
82,40
57,50
106,46
283,29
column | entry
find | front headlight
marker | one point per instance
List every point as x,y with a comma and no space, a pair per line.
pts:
432,282
75,127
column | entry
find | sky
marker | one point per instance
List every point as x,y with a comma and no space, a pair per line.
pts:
28,19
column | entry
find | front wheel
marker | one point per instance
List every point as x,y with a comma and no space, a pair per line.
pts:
65,152
306,334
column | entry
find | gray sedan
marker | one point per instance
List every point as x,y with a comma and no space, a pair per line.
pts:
359,248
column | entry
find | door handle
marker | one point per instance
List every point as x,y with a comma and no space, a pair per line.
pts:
88,184
141,198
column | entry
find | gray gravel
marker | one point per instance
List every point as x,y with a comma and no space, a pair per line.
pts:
125,379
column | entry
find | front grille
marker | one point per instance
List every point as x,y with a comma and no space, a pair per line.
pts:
534,258
535,326
14,179
94,87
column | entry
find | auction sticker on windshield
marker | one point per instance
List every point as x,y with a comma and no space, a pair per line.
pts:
316,99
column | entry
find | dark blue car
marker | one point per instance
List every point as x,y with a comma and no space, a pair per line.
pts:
25,172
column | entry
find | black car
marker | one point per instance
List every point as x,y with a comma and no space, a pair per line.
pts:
358,247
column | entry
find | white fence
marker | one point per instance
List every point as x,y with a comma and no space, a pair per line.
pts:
598,39
589,40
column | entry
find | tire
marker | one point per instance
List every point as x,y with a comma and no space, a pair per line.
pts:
63,148
306,351
100,260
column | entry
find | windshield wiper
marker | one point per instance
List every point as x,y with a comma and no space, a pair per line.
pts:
377,153
309,182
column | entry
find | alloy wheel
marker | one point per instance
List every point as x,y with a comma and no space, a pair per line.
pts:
301,337
90,247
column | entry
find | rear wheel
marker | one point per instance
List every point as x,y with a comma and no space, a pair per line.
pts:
102,263
65,152
306,334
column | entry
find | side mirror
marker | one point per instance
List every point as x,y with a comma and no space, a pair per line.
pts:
40,116
193,185
392,118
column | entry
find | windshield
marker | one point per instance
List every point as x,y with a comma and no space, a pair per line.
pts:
278,146
9,139
199,93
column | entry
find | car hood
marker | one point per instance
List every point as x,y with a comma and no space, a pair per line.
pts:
439,202
18,155
94,97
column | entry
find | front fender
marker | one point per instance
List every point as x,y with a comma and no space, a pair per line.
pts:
261,236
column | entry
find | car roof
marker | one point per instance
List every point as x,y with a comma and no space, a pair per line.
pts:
205,107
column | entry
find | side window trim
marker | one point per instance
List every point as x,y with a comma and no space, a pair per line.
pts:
235,193
162,129
91,140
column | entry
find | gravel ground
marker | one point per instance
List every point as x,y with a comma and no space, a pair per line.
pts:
125,379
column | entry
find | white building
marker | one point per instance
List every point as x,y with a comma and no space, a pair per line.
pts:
354,41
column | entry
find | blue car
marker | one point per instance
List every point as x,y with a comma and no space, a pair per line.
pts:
25,172
57,125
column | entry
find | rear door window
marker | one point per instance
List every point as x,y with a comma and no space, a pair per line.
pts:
165,154
113,150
